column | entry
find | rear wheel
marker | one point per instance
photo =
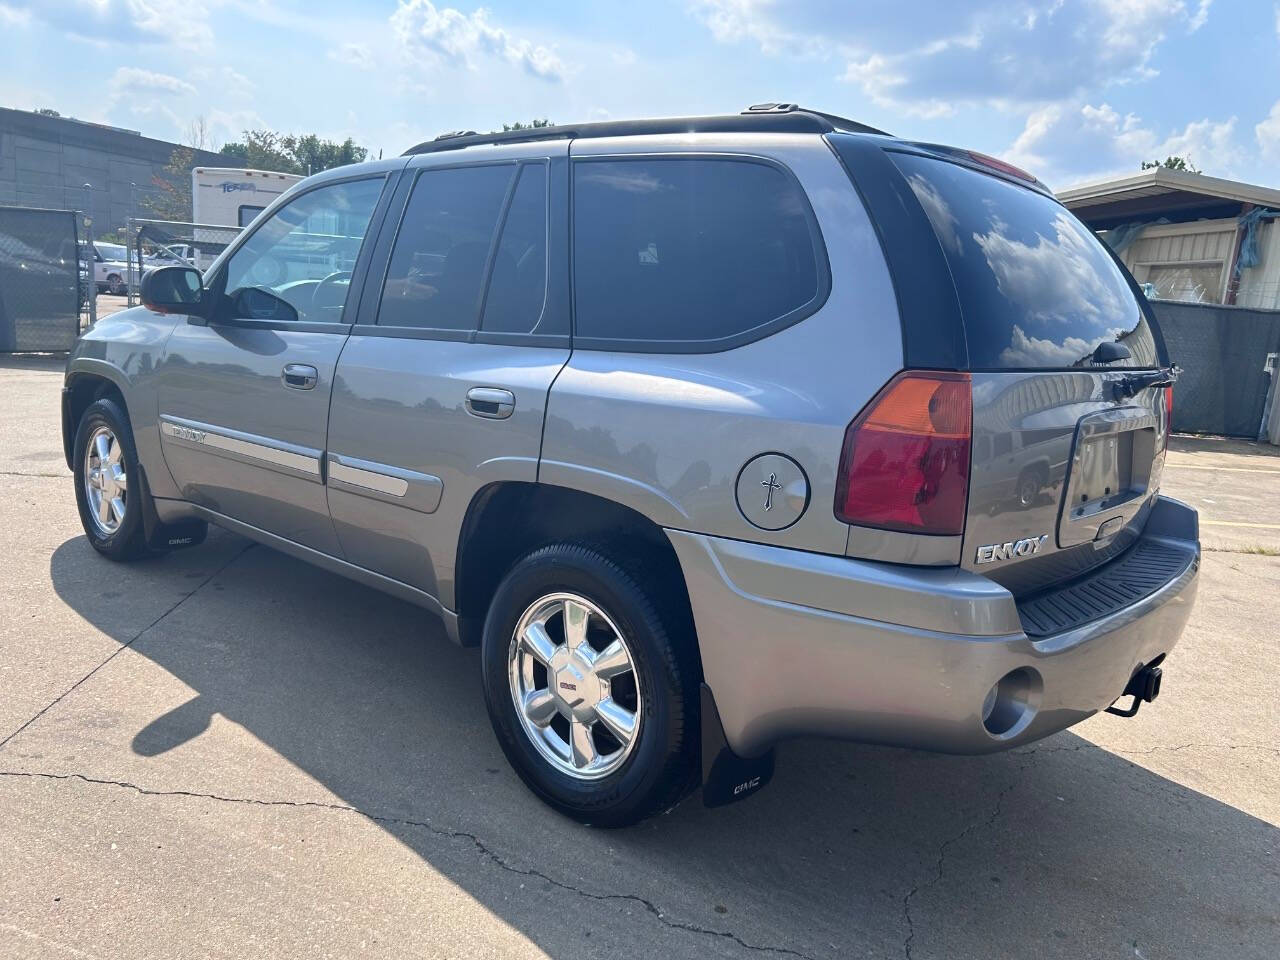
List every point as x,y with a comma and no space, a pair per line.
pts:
592,701
115,284
1029,486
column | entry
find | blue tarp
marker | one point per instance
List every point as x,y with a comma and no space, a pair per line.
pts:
1249,255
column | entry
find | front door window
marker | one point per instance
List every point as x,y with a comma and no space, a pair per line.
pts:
303,254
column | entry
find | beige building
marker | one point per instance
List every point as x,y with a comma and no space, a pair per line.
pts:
1187,236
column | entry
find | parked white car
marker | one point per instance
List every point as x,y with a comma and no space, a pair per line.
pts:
110,267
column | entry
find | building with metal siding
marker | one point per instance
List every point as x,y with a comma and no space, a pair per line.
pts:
45,162
1187,236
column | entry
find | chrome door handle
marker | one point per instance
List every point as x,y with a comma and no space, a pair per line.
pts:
299,376
492,402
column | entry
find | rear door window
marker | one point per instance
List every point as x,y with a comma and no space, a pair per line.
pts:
1037,289
518,281
690,253
437,268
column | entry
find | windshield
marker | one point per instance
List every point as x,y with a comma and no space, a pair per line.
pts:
1036,287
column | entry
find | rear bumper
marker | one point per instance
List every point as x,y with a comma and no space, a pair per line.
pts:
905,656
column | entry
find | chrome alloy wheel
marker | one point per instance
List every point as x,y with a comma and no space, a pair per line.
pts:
575,686
105,482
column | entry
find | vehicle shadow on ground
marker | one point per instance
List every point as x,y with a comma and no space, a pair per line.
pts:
1060,850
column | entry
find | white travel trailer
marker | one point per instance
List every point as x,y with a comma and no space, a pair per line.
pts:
232,198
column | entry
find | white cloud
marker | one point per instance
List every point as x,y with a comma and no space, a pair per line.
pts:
1025,350
138,82
1268,134
13,17
123,22
732,21
449,35
353,54
946,55
1053,279
1074,141
1200,17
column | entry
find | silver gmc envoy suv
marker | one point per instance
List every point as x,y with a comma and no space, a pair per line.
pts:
710,432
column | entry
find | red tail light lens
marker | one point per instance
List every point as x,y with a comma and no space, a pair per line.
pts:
905,463
1168,415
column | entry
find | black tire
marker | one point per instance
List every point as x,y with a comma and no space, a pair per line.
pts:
660,768
115,285
1030,483
128,541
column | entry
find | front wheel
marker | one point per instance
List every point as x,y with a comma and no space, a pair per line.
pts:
108,482
592,699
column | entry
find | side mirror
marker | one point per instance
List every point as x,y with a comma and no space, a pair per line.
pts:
174,290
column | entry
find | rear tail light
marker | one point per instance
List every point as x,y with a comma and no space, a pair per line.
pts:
1168,415
905,463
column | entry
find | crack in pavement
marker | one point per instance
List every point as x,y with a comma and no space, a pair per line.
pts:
23,473
125,646
942,856
442,832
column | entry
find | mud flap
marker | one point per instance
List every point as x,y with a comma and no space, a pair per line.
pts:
163,537
727,777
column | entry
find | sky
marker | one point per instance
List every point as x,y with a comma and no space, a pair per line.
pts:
1072,90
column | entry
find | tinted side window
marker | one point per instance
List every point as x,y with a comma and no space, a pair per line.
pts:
518,282
1037,288
305,252
690,249
437,265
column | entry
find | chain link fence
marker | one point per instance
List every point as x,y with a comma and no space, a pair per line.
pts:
42,283
167,243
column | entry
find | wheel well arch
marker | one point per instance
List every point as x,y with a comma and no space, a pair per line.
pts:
83,389
508,520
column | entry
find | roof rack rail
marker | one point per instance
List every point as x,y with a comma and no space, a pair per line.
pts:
757,118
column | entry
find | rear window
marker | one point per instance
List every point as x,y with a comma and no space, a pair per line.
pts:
1036,287
671,251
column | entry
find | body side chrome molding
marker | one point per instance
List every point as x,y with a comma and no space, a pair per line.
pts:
340,472
381,481
262,451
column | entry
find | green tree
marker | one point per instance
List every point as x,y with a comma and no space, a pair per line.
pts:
287,153
170,198
313,154
521,125
47,112
261,150
1171,163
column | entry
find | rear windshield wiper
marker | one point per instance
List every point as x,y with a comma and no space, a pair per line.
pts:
1128,385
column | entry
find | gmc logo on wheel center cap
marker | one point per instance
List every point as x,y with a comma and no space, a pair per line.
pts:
566,685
